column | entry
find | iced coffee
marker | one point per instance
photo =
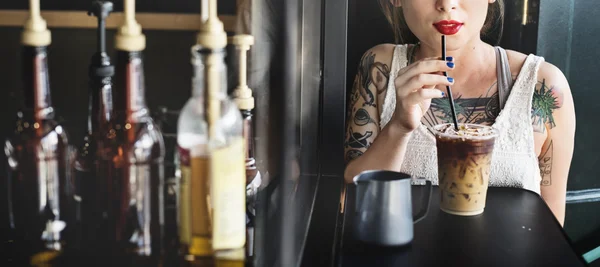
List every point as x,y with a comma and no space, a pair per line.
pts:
464,159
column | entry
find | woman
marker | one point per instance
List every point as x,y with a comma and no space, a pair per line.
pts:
399,90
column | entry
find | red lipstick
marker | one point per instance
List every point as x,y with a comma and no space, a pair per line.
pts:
448,27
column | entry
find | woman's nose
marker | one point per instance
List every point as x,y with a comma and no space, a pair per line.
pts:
446,5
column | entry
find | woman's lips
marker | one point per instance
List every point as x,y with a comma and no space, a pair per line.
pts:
448,27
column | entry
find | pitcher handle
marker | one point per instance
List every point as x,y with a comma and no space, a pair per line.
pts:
424,206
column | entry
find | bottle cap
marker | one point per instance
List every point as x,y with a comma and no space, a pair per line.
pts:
130,37
35,31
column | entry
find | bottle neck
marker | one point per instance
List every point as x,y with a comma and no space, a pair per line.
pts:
198,83
129,93
200,60
248,133
36,82
100,106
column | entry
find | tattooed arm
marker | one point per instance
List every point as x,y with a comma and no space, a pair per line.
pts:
553,117
363,135
366,147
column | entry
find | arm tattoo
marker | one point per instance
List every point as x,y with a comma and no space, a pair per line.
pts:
545,100
372,73
372,77
353,98
358,140
362,118
545,161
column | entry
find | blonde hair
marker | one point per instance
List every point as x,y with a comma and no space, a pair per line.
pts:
395,17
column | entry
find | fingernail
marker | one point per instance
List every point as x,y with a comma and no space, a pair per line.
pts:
449,59
443,94
450,64
450,79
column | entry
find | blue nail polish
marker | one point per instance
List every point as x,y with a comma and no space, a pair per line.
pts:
450,79
449,59
443,94
450,64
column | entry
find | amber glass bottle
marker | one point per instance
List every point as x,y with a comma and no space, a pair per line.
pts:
129,189
40,188
99,112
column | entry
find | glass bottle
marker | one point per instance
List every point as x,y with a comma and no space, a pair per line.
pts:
192,134
227,154
99,112
226,145
40,188
216,204
130,169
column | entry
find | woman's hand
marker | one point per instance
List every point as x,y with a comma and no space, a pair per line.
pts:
415,87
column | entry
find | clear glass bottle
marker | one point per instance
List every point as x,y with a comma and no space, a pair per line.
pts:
192,134
207,207
227,150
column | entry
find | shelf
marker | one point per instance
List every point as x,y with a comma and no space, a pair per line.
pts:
80,19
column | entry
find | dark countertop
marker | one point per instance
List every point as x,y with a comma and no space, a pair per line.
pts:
516,229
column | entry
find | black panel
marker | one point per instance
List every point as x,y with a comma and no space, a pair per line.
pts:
334,87
555,32
516,36
310,93
161,6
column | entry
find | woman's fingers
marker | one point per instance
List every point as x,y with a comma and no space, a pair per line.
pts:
428,65
422,81
421,95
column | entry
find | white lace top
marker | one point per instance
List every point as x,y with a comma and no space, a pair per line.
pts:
514,162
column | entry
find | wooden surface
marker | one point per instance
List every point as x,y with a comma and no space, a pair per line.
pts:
80,19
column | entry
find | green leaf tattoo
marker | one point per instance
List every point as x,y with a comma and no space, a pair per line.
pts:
545,101
443,105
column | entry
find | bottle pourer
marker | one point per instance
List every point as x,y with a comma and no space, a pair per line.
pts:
130,37
212,33
101,66
35,31
243,93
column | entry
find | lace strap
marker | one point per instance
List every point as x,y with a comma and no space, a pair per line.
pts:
524,86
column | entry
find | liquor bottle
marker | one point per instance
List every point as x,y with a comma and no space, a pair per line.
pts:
40,186
192,139
99,111
130,175
245,102
215,147
226,144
